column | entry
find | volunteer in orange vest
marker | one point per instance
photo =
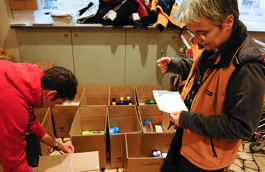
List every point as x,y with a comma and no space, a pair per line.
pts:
224,90
24,87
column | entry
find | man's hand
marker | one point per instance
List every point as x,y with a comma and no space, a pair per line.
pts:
66,147
174,117
162,63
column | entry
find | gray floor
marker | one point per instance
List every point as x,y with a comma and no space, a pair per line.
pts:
247,161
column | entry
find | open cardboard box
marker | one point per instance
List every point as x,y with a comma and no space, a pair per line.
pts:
156,116
63,114
90,118
96,95
139,147
85,162
43,65
145,93
126,118
122,91
34,147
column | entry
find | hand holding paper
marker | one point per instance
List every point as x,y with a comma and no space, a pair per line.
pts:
169,101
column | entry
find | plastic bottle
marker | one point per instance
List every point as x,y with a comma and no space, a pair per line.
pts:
150,102
128,101
113,102
121,102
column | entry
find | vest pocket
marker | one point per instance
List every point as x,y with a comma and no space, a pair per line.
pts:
214,153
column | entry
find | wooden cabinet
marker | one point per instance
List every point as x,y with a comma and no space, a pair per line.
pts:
39,45
102,56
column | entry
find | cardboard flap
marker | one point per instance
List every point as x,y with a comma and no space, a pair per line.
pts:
72,162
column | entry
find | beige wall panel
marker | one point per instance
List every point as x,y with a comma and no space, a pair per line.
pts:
143,49
40,45
99,56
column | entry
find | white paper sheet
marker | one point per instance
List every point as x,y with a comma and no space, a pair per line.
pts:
169,101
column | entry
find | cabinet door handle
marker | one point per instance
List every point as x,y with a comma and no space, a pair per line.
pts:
66,35
76,35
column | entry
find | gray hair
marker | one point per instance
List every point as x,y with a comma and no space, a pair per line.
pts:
215,10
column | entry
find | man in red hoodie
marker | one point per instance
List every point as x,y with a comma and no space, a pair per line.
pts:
24,87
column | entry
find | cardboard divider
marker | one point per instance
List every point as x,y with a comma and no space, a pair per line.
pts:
96,95
145,93
90,118
63,117
34,147
63,114
126,118
122,91
156,116
139,147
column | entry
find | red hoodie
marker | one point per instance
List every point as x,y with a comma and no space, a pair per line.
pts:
20,91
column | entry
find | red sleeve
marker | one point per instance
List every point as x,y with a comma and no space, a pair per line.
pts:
34,127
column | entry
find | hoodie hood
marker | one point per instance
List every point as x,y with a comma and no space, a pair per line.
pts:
27,79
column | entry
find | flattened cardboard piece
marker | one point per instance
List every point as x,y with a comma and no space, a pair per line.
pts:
63,117
90,118
43,65
87,161
27,4
96,95
145,93
156,116
34,147
139,147
126,118
122,91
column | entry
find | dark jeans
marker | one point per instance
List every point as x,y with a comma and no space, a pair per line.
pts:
186,166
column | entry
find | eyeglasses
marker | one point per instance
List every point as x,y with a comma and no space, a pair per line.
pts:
202,35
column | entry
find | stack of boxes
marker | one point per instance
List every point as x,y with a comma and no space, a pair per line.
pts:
130,148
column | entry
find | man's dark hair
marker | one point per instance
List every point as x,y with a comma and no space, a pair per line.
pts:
61,80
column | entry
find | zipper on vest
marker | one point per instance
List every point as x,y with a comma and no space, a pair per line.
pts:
214,153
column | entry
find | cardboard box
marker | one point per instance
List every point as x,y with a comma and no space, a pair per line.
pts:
43,65
96,95
122,91
34,147
139,147
8,58
88,161
27,4
126,118
63,114
23,16
145,93
156,116
89,118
